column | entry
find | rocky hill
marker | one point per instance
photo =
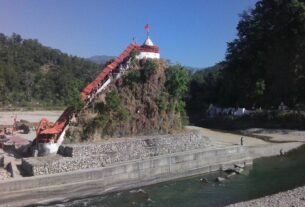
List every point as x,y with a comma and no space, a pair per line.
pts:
146,100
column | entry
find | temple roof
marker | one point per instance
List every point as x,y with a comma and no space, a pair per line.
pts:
148,42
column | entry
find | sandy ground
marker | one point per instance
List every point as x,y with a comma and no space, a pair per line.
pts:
222,139
278,134
7,118
225,139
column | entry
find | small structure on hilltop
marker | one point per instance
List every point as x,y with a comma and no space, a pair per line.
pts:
148,50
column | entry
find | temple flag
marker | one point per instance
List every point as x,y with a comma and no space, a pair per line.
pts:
146,27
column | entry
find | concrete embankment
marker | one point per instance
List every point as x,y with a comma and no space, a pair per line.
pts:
130,174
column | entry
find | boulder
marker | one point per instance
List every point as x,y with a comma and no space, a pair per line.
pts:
231,174
220,179
238,170
204,180
239,166
229,170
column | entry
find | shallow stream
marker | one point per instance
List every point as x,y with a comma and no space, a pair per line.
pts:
266,176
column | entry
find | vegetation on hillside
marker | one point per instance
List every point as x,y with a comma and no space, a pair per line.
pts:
147,100
34,75
264,65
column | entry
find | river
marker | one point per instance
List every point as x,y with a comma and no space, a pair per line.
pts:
266,176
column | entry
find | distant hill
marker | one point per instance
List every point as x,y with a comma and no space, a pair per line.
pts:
100,59
32,74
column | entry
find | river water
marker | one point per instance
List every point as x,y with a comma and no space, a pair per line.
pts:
266,176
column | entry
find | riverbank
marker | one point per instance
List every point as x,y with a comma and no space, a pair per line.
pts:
295,197
127,175
217,150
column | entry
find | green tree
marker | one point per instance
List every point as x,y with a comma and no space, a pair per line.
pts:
177,80
271,47
149,68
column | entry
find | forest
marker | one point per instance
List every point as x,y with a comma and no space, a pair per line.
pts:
38,76
264,64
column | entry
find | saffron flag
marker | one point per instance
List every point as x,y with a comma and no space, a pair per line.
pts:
146,27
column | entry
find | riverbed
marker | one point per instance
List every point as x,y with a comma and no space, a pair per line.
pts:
267,176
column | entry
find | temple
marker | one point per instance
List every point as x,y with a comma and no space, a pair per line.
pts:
148,50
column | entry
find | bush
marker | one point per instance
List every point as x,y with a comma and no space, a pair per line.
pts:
113,101
162,102
132,77
177,80
149,68
123,114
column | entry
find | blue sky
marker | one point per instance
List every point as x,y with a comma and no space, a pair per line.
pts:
190,32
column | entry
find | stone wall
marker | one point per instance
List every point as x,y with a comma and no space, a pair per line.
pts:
93,155
119,176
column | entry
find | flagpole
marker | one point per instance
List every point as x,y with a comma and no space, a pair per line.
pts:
146,27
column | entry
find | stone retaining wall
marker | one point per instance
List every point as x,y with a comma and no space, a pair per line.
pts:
117,177
101,154
139,147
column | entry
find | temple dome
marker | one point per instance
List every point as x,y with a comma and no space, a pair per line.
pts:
148,42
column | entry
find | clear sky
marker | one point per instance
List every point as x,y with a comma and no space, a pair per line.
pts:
190,32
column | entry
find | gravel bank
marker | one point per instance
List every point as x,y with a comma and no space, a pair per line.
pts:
291,198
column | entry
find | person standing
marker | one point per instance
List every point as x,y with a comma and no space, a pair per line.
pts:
242,141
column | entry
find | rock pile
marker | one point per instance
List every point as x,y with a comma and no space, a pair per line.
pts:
100,154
